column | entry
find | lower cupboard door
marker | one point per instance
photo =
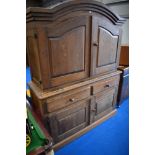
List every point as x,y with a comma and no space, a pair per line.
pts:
102,104
68,121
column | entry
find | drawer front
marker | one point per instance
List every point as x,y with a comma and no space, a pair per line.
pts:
66,122
69,98
105,84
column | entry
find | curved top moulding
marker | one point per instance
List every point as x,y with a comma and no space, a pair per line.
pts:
53,12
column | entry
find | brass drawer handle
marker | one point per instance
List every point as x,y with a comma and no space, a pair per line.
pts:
107,86
95,44
72,99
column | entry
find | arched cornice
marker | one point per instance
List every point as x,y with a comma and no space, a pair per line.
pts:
67,7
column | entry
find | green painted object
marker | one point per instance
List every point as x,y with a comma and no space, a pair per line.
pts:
37,137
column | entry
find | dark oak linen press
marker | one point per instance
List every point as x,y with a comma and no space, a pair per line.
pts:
73,50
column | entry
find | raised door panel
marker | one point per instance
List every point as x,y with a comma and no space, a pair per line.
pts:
107,49
102,103
67,50
105,46
68,121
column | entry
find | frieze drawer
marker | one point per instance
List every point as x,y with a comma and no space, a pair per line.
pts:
69,98
105,84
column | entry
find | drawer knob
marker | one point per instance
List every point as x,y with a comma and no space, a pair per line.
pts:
107,86
95,44
72,99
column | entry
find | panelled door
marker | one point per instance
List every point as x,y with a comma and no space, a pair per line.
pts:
102,103
66,50
104,46
70,120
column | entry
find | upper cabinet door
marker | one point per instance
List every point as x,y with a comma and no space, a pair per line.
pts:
105,46
67,50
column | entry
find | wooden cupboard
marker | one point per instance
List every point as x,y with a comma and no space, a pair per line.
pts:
123,92
71,110
73,49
